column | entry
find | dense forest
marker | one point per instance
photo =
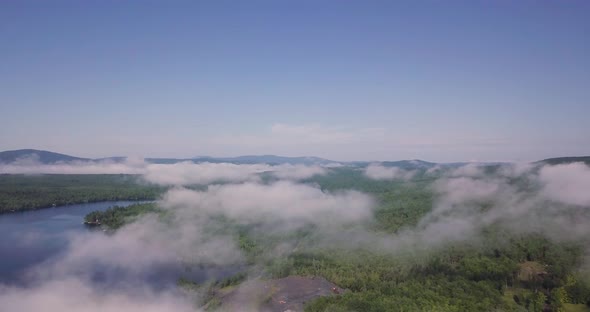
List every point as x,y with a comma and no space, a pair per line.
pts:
502,271
25,192
117,216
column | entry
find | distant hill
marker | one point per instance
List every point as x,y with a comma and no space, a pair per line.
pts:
565,160
44,157
409,164
166,160
47,157
116,159
250,159
267,159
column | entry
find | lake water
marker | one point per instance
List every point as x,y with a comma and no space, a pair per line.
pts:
31,237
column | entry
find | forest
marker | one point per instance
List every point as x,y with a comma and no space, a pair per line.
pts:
503,270
117,216
26,192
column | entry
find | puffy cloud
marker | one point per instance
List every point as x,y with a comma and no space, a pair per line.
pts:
141,246
514,198
282,200
474,201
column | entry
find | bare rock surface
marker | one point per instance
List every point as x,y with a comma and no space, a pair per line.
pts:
277,295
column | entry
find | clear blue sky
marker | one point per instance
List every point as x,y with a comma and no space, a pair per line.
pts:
365,80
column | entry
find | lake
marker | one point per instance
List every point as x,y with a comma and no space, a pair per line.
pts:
31,237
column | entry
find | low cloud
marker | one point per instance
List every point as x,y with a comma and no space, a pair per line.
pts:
567,183
132,269
464,189
188,235
380,172
467,200
515,198
283,200
299,172
73,294
139,247
182,173
186,173
31,165
518,199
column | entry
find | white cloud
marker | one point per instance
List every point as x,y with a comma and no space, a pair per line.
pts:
285,201
31,165
142,245
457,215
298,172
183,173
72,294
464,189
379,172
124,260
567,183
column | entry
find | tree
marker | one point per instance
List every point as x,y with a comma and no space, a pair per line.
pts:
537,302
558,298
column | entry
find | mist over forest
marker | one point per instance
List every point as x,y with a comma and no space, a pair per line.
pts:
385,236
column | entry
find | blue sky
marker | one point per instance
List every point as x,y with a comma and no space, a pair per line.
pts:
362,80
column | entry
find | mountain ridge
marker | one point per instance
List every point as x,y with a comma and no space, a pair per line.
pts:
565,160
45,157
49,157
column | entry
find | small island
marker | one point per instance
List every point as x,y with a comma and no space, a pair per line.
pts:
117,216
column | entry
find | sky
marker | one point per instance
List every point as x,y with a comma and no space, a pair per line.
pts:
345,80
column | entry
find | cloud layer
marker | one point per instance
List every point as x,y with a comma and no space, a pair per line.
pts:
380,172
183,173
189,234
567,183
72,294
283,200
518,198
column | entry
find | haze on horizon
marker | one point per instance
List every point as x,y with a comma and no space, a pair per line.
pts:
357,80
